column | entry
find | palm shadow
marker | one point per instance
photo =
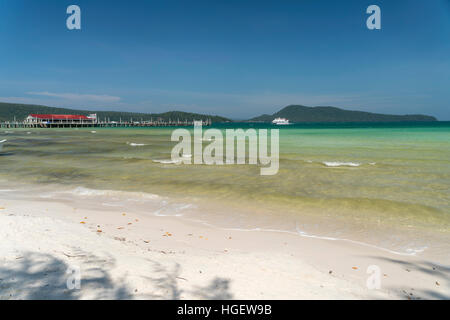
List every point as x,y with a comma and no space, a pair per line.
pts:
37,276
218,289
166,280
440,272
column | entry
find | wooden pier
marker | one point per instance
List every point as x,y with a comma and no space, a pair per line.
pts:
101,124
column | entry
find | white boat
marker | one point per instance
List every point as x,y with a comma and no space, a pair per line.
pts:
1,144
280,121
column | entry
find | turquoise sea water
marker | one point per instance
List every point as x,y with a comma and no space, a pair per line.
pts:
382,184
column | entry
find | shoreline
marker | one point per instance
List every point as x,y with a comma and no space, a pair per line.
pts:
198,211
153,257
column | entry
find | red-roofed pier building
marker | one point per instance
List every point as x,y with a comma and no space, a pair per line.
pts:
61,120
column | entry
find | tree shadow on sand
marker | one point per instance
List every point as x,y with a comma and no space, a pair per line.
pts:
166,281
219,289
43,276
38,276
440,274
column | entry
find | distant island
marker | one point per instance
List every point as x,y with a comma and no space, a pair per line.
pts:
299,113
11,111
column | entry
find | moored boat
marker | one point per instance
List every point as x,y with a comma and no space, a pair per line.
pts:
280,121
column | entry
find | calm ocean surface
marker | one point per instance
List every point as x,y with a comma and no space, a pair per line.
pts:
386,185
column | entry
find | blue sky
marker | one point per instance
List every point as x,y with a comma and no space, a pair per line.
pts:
234,58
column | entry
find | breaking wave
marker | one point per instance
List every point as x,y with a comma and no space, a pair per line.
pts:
341,164
167,161
136,144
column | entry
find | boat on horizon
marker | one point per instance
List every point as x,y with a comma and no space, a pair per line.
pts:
280,121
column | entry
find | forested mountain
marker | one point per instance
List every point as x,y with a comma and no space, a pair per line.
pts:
20,111
299,113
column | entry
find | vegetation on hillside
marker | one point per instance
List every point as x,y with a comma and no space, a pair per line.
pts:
299,113
11,111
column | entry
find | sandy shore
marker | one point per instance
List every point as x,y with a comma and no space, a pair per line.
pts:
126,255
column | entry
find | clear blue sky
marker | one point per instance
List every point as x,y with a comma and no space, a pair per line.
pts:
234,58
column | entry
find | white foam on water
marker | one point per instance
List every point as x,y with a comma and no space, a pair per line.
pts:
136,144
407,252
82,191
167,161
145,202
96,192
172,209
341,164
115,195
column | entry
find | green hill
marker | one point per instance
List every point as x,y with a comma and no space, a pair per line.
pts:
20,111
299,113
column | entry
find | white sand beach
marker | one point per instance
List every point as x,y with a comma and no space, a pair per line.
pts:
126,255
